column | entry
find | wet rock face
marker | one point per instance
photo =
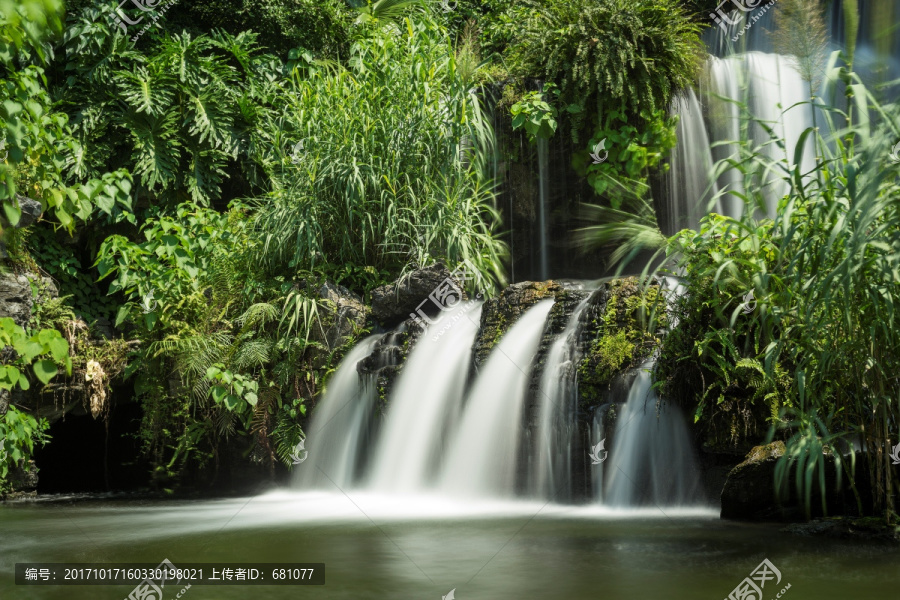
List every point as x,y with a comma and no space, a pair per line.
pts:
393,303
500,313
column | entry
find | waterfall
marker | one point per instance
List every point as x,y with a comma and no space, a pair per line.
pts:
425,402
556,417
689,188
598,434
651,461
339,424
481,460
543,152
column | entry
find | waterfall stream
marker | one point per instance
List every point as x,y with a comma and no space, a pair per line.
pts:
558,404
652,461
481,460
425,404
338,427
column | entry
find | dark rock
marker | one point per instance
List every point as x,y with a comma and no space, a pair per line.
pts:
23,478
500,313
31,211
749,491
344,316
393,303
388,355
15,298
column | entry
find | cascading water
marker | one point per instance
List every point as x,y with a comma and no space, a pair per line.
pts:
338,427
481,460
543,153
652,460
552,475
689,189
425,402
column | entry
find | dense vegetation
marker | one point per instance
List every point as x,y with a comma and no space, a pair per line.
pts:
202,180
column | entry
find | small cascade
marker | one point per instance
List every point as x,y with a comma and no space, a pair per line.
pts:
339,425
426,402
543,152
558,397
689,186
651,461
598,434
481,460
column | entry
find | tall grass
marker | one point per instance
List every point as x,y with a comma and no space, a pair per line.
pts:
392,170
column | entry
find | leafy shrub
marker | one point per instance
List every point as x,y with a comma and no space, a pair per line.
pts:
628,56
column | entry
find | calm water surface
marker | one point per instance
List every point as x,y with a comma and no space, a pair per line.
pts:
421,548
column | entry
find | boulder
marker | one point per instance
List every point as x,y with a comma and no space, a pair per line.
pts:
749,491
31,211
393,303
500,313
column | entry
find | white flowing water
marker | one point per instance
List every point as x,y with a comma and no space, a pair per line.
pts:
690,187
652,460
556,418
774,93
425,402
337,430
598,434
481,461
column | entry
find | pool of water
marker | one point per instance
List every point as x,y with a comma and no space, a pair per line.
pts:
422,547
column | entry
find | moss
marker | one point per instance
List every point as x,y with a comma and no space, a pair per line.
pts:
622,336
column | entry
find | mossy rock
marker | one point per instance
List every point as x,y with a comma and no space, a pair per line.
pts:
617,338
499,314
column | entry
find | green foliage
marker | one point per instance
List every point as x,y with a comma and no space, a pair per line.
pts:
234,391
75,280
537,116
19,432
633,151
170,265
392,170
38,141
622,336
177,114
628,56
323,27
822,338
44,352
